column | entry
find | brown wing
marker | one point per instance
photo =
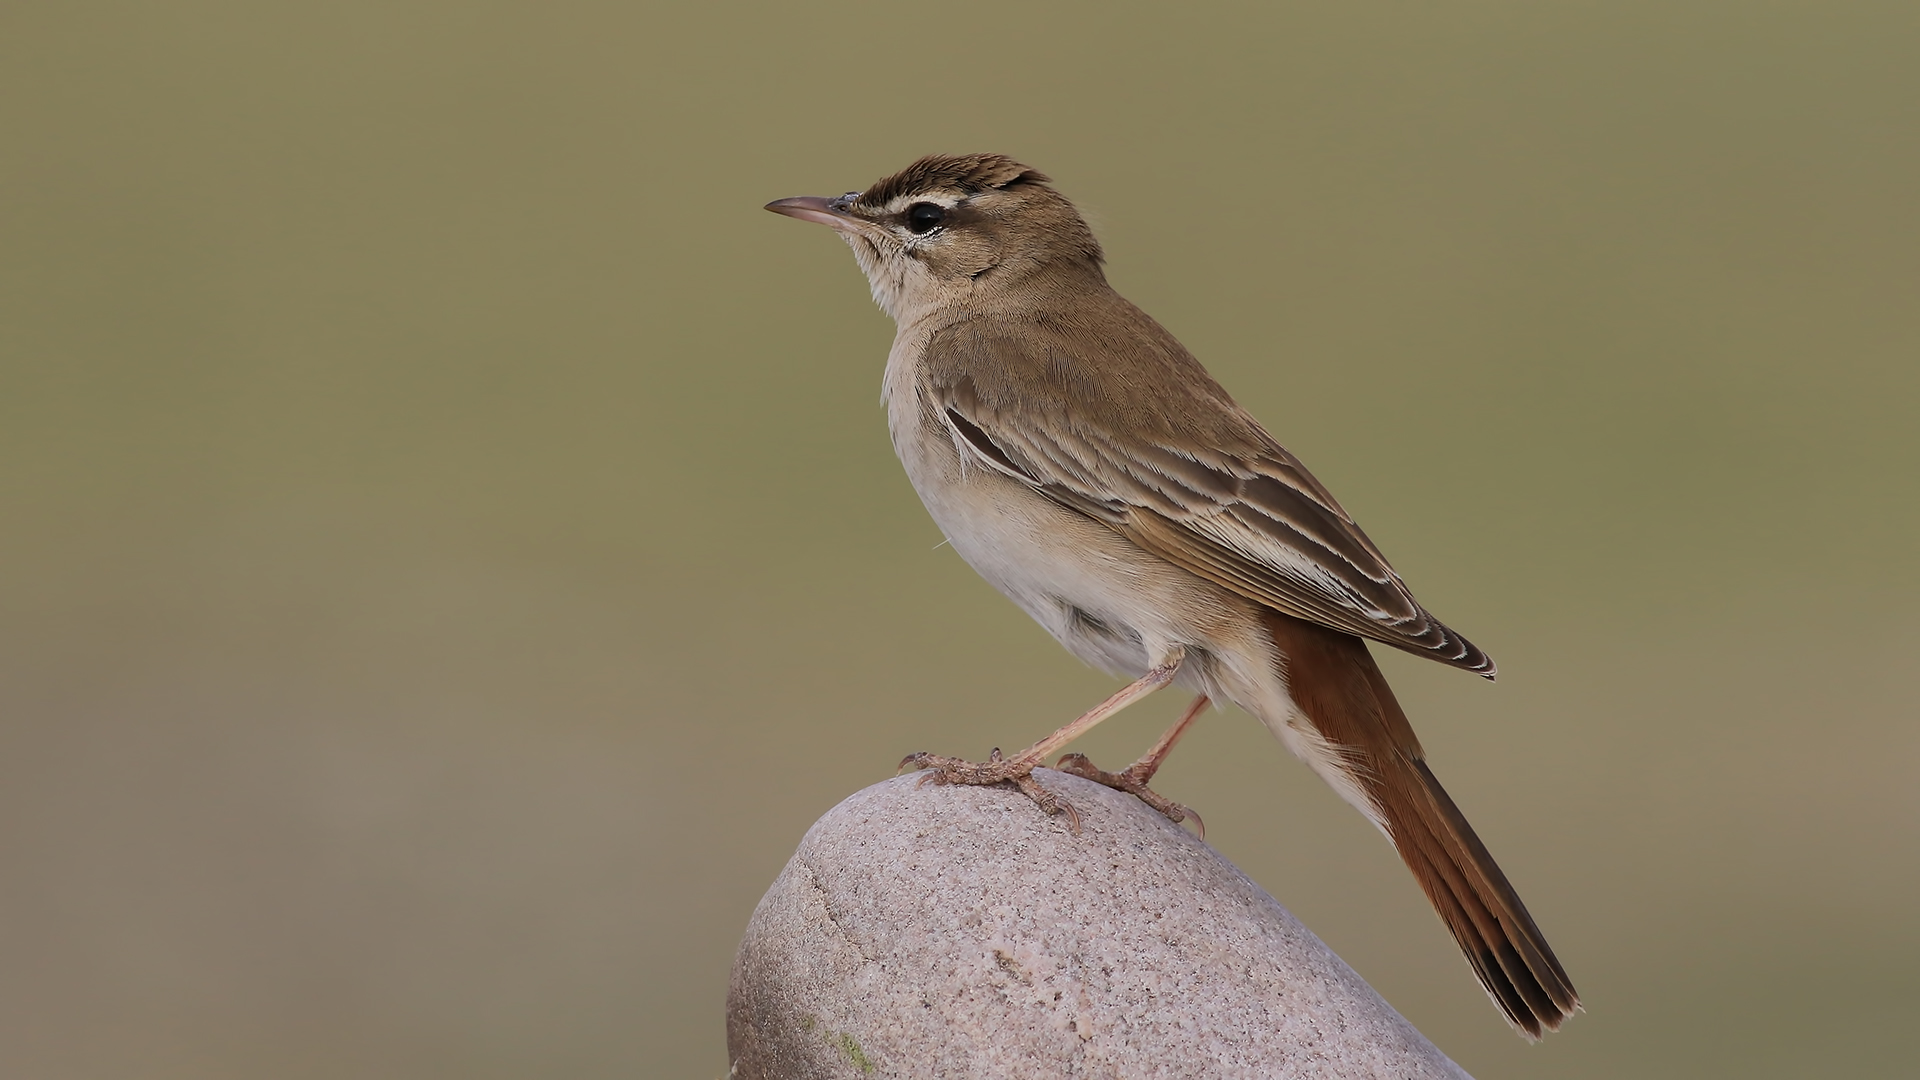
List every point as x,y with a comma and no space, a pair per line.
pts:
1168,460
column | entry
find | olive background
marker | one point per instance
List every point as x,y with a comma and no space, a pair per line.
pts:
450,548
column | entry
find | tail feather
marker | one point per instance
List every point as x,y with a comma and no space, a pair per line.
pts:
1334,681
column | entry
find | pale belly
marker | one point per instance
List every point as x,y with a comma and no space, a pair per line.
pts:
1110,603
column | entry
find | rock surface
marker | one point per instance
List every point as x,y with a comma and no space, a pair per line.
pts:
925,931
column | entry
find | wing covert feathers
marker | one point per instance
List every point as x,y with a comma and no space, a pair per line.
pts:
1168,460
1335,682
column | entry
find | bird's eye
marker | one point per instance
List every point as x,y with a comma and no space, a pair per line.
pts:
923,217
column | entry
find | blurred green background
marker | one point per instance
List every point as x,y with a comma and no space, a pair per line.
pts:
450,548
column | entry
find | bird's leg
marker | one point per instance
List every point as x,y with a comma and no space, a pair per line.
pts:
1133,779
1018,769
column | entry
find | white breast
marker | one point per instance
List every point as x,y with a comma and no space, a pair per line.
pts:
1110,603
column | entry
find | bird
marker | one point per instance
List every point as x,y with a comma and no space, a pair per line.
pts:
1084,463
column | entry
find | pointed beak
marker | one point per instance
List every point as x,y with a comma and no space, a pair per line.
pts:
814,208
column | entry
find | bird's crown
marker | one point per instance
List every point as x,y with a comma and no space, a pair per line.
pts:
938,174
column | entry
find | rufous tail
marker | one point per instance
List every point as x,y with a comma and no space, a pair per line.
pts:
1335,682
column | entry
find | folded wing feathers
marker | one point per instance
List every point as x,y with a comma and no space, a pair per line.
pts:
1257,523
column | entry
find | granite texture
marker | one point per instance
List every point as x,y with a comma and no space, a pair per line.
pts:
926,931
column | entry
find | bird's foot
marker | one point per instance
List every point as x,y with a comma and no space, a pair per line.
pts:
1133,781
995,770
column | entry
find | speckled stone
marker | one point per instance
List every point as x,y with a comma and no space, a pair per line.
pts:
925,931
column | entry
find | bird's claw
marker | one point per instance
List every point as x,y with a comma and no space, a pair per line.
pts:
1133,781
997,769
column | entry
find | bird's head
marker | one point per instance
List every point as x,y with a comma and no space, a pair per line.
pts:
978,229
